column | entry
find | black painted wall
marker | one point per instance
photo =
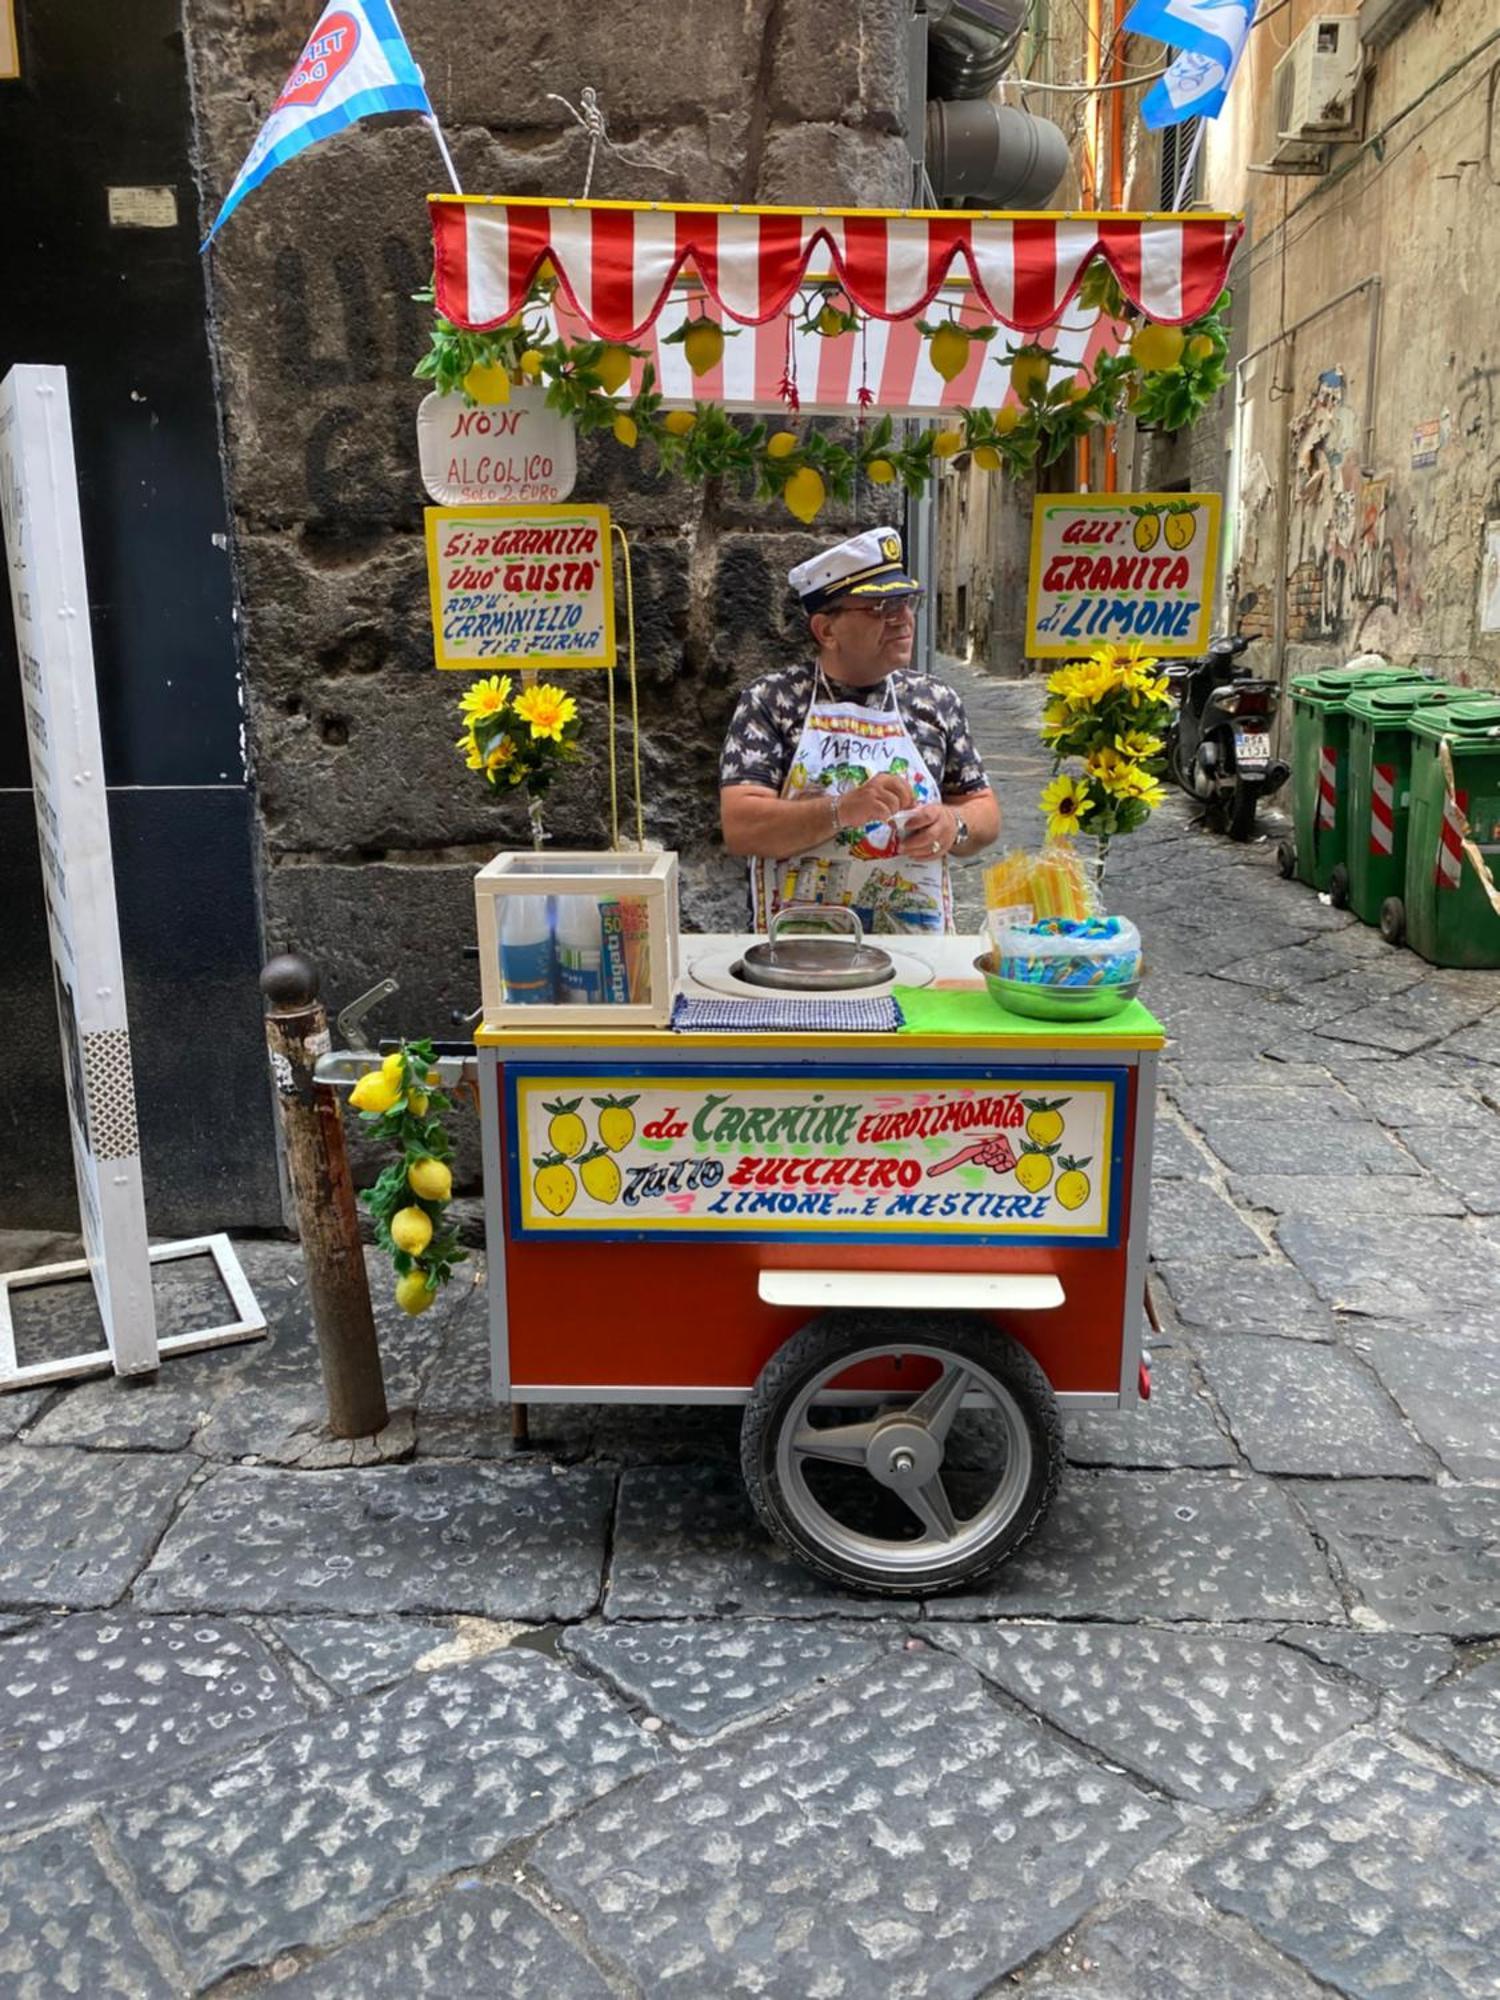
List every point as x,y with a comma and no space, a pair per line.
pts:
102,102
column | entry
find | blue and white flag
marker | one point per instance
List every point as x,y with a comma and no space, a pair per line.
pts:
1211,35
356,63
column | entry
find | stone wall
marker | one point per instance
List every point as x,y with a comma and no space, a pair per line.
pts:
370,827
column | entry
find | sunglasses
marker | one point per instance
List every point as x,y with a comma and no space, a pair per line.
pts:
888,614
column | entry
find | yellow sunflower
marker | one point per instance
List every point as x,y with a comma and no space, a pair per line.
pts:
547,709
1109,770
502,754
486,697
1138,783
1138,745
1065,801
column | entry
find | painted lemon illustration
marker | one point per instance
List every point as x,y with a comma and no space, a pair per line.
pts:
804,493
1034,1168
413,1293
948,350
1147,530
411,1230
600,1175
616,1122
1029,372
566,1134
555,1184
1045,1125
1073,1184
430,1179
703,345
1182,525
1156,348
613,368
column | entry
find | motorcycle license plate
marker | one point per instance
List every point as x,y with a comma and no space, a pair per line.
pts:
1251,748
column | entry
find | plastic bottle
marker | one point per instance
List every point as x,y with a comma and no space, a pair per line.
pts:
528,958
580,948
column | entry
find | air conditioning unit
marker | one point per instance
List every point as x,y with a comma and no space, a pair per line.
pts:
1315,86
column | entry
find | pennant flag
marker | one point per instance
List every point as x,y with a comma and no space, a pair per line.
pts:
1211,35
356,63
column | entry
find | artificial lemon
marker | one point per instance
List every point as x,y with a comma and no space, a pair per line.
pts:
411,1230
1030,371
1006,420
804,493
625,431
488,382
679,422
1200,347
616,1122
781,444
600,1176
613,368
1155,348
531,363
416,1103
987,458
830,321
948,351
391,1064
413,1293
376,1092
430,1179
880,472
703,346
946,443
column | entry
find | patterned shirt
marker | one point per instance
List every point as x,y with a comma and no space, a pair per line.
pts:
768,720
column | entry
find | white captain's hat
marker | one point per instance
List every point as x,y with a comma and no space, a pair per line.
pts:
867,568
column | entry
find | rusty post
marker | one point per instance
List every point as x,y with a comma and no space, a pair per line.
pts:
323,1194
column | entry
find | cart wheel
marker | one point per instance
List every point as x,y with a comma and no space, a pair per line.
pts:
1393,920
1286,859
901,1492
1338,887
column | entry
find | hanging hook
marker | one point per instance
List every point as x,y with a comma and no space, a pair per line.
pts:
590,120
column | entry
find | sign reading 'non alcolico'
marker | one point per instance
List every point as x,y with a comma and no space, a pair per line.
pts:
1121,567
862,1156
521,587
518,452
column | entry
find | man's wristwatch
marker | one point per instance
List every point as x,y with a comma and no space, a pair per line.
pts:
960,831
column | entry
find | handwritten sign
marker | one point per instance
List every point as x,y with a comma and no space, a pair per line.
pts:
521,587
674,1154
1120,567
515,451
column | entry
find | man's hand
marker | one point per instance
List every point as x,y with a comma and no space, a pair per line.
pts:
881,798
929,832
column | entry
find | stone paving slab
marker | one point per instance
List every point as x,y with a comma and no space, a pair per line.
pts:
326,1824
688,1545
1452,1397
1378,1875
355,1656
1335,1197
1421,1558
1191,1221
1395,1270
480,1942
1209,1717
1344,1145
1159,1545
700,1678
1296,1408
498,1541
95,1702
1176,1428
1142,1952
76,1526
1463,1717
1465,1159
1223,1106
1407,1093
18,1408
901,1835
65,1930
142,1413
1176,1156
1396,1663
1231,1295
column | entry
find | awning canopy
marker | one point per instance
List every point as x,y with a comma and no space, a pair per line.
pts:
616,262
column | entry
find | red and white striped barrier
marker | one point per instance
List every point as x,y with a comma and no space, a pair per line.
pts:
1450,858
1383,809
1328,778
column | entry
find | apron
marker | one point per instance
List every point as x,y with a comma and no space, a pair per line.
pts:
842,745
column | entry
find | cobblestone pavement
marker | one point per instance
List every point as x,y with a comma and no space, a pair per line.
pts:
450,1721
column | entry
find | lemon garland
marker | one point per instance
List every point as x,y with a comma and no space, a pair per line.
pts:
1165,377
409,1202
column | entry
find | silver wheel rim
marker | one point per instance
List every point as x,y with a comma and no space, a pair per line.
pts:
902,1449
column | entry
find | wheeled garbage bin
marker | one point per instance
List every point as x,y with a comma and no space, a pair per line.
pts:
1451,911
1380,794
1320,768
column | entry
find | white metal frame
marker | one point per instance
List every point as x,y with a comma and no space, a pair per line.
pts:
248,1324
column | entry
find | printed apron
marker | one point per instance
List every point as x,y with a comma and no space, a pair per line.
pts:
841,747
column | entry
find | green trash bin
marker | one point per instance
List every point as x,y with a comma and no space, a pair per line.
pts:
1320,770
1380,792
1448,916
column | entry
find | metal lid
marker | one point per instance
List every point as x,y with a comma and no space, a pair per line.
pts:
832,961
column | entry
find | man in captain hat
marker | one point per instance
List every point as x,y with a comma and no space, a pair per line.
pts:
849,778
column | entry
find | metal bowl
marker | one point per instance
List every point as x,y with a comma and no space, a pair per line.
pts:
1056,1003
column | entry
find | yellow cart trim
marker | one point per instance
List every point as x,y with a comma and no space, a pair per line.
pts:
622,1038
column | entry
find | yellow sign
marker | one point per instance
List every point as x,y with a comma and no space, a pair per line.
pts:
10,54
1120,567
521,587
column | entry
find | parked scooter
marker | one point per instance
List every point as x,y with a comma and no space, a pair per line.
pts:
1219,745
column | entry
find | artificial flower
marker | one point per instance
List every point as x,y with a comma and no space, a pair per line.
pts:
546,709
486,697
1065,801
1138,745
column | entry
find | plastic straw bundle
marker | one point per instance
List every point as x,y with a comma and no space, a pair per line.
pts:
1054,883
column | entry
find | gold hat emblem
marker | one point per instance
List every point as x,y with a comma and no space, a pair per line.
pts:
890,548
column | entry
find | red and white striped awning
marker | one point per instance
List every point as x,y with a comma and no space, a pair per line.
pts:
616,262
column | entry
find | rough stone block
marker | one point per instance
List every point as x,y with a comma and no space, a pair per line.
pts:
1141,1952
1176,1428
1376,1874
1422,1558
1164,1545
328,1823
357,1655
1340,1197
1294,1408
1465,1158
65,1929
1412,1270
1394,1662
808,166
497,1541
1263,1146
855,78
1451,1397
1191,1221
19,1408
901,1834
76,1526
1463,1717
1224,1295
93,1704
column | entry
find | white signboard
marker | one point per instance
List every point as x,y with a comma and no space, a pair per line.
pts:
517,451
521,587
49,600
1489,579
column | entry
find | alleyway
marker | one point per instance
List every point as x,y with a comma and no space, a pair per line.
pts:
566,1725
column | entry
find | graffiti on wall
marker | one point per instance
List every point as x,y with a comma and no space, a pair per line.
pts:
1347,551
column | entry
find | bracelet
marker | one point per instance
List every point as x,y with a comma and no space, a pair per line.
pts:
838,824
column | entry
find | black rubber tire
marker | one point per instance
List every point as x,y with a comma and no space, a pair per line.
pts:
1242,813
1393,920
1338,887
1286,860
821,1343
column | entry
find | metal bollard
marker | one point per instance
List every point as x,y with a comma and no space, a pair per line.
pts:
296,1035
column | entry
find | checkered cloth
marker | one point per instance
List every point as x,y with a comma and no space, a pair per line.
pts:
731,1017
